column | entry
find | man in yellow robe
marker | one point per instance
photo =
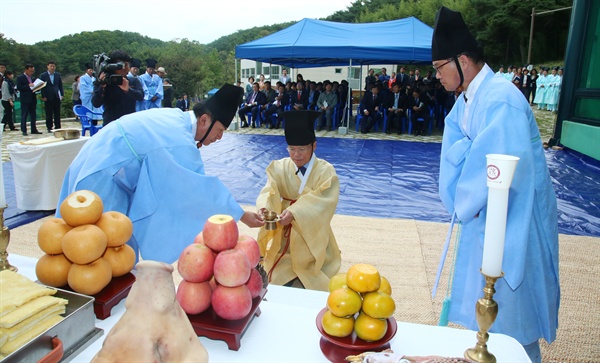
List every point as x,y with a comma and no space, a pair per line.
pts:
304,191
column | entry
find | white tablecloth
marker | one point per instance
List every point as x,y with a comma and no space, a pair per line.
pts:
286,331
39,171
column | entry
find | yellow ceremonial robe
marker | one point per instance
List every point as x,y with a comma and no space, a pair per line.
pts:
313,254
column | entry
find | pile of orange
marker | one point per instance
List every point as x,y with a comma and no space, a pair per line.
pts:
359,301
85,248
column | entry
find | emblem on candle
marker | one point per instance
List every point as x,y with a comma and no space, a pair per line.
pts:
493,172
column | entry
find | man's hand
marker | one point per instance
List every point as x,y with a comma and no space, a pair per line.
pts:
125,85
154,98
101,79
286,217
252,219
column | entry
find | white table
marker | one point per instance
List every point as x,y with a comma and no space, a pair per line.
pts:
286,331
39,171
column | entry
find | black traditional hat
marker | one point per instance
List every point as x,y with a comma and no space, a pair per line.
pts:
224,104
300,127
137,63
450,35
151,63
89,66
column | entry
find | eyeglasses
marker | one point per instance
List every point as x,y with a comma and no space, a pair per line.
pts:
437,68
297,150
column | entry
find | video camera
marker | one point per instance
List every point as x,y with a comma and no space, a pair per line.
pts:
102,64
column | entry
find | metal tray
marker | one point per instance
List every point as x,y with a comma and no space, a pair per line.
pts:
76,332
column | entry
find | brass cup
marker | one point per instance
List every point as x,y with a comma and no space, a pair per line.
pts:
271,219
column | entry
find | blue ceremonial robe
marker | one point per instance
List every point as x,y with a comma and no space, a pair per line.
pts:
86,91
154,84
147,165
500,121
542,92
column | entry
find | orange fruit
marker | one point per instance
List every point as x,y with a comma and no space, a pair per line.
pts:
50,235
385,286
344,302
84,244
90,279
378,305
363,277
53,270
121,259
337,281
117,227
336,326
368,328
81,207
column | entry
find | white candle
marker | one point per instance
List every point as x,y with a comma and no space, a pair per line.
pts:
500,172
2,195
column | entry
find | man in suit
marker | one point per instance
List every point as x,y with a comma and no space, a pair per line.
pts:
395,107
184,103
278,106
370,107
254,100
28,99
419,110
52,95
300,97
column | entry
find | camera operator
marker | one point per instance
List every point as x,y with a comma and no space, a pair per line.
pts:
112,88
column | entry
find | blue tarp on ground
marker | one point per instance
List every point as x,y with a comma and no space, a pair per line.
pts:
317,43
378,178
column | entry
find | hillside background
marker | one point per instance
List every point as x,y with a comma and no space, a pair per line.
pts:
502,26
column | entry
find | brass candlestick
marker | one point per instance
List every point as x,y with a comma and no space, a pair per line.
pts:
4,240
486,310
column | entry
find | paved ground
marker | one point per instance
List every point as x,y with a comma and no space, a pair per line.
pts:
545,121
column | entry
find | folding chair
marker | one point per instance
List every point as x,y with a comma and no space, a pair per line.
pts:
85,116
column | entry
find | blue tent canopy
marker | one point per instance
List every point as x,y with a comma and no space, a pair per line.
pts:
317,43
212,92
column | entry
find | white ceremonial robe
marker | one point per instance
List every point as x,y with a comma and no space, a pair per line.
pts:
154,84
500,121
152,171
86,91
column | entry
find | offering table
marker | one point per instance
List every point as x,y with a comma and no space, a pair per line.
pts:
39,171
286,331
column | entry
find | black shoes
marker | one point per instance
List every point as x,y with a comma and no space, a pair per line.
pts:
36,132
24,134
244,124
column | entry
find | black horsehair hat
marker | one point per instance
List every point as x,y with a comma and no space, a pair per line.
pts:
300,127
135,62
451,36
224,104
151,63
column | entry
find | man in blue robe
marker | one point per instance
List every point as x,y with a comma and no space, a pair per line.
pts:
154,84
86,91
147,165
492,117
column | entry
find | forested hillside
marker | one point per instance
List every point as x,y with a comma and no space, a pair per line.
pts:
502,26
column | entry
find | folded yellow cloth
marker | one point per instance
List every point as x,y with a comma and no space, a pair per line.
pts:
16,290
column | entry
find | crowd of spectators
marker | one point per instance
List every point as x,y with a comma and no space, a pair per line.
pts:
402,102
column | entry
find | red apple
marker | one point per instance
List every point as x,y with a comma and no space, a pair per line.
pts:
220,232
255,283
194,297
199,238
231,303
232,268
213,283
250,248
196,263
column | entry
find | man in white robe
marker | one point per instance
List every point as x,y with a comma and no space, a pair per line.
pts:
493,117
304,191
154,85
147,165
86,91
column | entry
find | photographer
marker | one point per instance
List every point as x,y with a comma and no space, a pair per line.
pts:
112,88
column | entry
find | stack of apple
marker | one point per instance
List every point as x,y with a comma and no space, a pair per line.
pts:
85,248
219,270
359,301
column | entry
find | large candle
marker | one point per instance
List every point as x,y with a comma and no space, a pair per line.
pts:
2,195
500,172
